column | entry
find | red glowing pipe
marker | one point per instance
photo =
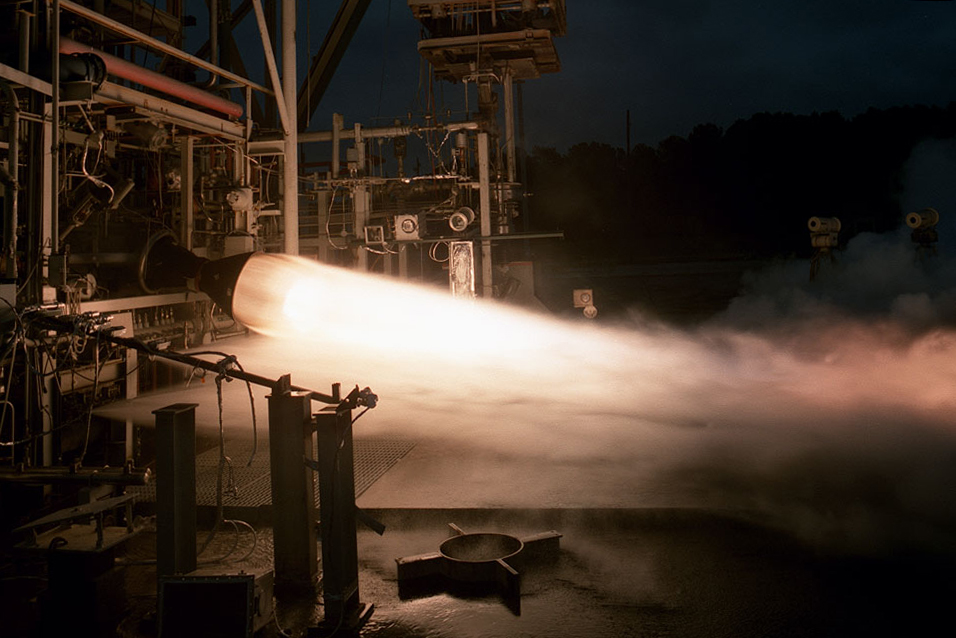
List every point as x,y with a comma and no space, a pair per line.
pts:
135,73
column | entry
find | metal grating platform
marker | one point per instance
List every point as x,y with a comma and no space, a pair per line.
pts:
253,487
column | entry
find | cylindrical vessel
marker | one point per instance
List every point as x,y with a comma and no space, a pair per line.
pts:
824,225
926,218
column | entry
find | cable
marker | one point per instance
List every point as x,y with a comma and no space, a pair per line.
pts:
97,367
223,460
432,252
275,618
232,360
328,220
96,180
255,539
9,380
47,243
235,544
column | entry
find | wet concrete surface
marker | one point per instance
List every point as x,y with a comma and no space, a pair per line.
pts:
652,572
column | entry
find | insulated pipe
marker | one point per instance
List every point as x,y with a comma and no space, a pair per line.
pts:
159,45
135,73
13,151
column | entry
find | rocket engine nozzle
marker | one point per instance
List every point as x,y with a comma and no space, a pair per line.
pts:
165,264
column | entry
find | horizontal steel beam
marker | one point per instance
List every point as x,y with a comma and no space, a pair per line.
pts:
170,110
384,131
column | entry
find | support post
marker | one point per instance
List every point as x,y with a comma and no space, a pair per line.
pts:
54,140
290,158
360,205
403,262
510,145
337,122
48,206
323,199
340,589
293,490
186,146
175,489
484,200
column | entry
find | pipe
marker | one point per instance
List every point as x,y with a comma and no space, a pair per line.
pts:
159,45
10,221
135,73
79,476
226,367
24,18
213,42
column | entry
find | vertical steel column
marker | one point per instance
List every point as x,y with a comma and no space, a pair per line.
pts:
13,193
323,199
186,160
24,59
46,406
48,206
360,211
175,489
484,200
131,387
510,159
290,159
271,106
293,490
337,122
360,199
54,140
340,588
402,261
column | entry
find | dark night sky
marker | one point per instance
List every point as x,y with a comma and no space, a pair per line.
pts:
673,63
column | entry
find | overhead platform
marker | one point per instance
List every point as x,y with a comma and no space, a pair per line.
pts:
458,17
467,38
526,54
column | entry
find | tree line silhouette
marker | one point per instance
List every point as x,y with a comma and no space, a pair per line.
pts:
743,192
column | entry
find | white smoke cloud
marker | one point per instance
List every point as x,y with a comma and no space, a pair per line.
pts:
825,407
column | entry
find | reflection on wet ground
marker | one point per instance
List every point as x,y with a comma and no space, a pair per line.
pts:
654,572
